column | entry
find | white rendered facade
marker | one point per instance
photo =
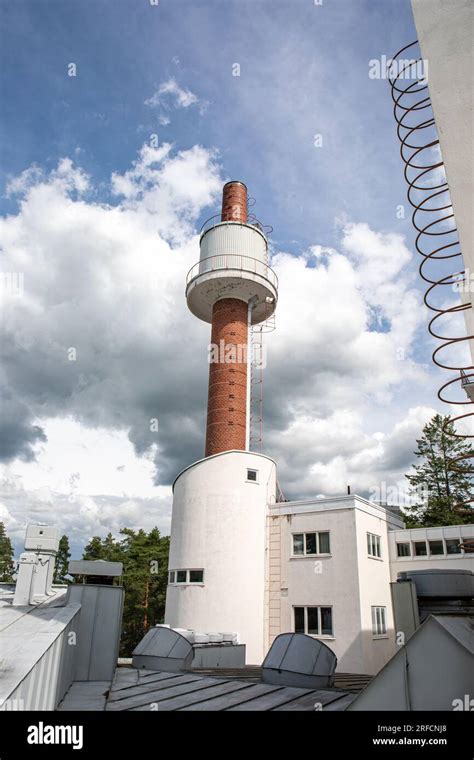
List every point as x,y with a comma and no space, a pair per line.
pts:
218,526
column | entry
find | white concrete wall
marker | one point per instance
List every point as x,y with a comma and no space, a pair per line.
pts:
349,581
374,587
218,524
442,562
332,583
445,35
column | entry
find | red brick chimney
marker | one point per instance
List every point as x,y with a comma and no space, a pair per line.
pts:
227,399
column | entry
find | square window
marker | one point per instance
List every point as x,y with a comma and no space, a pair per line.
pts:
299,619
324,546
403,550
313,627
196,576
420,548
326,621
172,576
436,547
453,546
298,544
310,539
181,576
252,475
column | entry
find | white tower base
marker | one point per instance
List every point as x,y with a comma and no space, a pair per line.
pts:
218,526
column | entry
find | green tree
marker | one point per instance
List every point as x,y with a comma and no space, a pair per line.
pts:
6,557
442,480
62,562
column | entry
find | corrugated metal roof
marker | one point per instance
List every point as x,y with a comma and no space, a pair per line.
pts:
152,690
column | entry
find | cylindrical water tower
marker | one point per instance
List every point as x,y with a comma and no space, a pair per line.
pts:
217,562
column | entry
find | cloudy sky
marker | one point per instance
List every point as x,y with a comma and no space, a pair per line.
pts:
120,122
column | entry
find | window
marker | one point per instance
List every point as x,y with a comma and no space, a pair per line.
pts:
453,546
420,548
373,545
298,544
379,624
252,475
172,576
311,544
181,576
436,547
467,545
196,576
299,620
315,621
403,550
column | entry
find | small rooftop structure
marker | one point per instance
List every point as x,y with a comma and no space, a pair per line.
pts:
295,659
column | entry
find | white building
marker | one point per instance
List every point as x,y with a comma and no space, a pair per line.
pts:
241,559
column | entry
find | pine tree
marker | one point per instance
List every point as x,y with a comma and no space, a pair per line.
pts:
443,478
62,561
6,557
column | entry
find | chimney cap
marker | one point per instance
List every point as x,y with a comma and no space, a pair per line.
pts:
235,182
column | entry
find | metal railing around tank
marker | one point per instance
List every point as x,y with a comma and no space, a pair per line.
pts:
232,261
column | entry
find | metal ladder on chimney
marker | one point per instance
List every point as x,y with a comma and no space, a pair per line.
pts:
257,366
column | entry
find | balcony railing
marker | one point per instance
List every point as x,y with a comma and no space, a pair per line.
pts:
232,261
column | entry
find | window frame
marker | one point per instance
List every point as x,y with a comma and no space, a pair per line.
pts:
315,533
379,621
442,553
404,543
173,574
371,543
319,608
252,480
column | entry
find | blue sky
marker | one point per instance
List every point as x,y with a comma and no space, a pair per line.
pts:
103,224
303,72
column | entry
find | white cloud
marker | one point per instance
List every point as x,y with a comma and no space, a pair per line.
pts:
170,91
108,282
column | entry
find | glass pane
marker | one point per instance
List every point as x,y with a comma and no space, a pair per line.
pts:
436,547
378,625
172,576
181,576
324,543
313,620
326,621
299,619
452,545
369,543
374,621
196,576
403,550
377,546
252,475
383,625
420,548
298,543
311,543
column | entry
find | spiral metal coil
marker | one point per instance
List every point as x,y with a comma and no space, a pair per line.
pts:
433,218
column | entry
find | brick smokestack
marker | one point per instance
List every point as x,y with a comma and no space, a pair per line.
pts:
227,399
234,202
